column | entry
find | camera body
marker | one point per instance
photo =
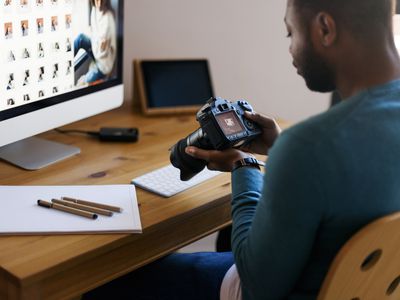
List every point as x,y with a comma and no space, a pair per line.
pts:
222,126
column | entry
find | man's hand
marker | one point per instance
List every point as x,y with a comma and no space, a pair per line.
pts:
218,160
270,132
224,160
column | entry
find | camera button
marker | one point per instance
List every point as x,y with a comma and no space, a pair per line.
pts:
249,124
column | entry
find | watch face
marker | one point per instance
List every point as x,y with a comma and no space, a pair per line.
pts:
229,123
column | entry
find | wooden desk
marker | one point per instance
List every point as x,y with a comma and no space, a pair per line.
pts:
63,267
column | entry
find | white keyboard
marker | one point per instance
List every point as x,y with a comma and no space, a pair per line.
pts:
166,181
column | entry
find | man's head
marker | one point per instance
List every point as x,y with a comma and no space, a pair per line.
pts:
321,31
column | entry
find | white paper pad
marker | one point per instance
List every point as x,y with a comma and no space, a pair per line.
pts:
20,214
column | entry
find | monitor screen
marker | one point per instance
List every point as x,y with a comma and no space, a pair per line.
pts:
57,50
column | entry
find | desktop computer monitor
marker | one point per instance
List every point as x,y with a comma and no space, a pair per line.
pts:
60,61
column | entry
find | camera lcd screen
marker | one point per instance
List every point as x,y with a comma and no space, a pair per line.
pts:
229,123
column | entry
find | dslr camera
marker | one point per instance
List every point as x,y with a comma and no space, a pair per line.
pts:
222,126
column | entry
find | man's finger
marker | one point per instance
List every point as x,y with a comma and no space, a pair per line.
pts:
198,153
263,121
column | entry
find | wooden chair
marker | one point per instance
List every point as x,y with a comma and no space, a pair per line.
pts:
368,266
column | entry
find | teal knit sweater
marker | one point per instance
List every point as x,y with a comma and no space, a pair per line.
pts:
325,178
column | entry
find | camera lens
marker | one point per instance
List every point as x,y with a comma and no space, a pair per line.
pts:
188,165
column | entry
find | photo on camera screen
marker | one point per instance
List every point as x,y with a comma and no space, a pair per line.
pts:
229,123
54,48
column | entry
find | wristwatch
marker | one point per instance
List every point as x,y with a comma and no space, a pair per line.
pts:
248,162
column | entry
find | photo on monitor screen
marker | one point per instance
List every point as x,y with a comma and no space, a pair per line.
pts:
56,50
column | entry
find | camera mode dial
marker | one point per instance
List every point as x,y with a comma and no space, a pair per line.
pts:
245,105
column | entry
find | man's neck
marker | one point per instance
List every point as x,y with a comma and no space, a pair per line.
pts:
367,68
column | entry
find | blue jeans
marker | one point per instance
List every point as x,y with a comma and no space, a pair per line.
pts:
84,42
179,276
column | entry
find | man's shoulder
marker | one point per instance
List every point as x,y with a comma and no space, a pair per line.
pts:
340,116
324,124
344,119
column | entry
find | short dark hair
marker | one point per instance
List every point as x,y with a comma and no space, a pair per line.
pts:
361,17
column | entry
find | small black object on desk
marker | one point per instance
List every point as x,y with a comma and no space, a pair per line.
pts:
110,134
118,134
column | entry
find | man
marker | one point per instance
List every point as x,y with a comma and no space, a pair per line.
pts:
326,177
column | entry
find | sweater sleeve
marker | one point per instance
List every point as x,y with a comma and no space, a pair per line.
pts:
275,219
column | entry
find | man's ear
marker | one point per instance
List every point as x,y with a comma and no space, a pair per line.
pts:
324,29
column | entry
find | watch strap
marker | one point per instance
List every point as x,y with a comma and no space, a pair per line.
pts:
248,162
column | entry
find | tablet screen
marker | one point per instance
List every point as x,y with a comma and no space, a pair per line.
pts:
177,83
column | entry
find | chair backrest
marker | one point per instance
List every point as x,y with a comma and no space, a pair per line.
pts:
368,266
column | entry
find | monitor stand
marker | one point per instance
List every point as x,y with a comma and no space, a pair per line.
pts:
35,153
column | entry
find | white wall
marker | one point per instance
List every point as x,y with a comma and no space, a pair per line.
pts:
244,41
